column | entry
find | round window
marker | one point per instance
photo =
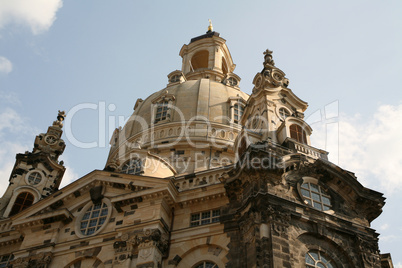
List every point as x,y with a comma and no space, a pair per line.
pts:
284,113
93,218
50,139
34,178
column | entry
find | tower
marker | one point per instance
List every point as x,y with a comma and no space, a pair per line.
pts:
36,174
288,205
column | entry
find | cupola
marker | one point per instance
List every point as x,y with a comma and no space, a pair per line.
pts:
207,56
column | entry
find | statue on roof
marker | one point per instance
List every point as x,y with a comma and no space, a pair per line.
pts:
268,58
60,118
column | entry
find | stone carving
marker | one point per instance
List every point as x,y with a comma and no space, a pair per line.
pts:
41,260
278,217
271,76
369,251
130,241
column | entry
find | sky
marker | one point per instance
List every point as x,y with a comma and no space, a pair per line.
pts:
94,59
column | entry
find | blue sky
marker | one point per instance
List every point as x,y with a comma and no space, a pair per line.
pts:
343,57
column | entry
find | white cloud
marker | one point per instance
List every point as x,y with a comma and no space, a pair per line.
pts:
371,149
398,265
384,226
16,136
39,15
5,65
9,98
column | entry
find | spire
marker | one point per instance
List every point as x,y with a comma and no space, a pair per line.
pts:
51,142
210,27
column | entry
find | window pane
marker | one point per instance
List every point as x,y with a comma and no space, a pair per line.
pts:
317,206
205,221
305,185
321,265
206,214
326,200
314,255
314,187
309,260
316,197
216,213
305,193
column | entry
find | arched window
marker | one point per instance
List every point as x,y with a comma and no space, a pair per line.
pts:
298,133
200,60
206,264
317,259
22,201
161,111
132,166
315,196
237,112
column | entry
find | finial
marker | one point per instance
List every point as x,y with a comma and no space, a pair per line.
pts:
60,118
210,28
268,58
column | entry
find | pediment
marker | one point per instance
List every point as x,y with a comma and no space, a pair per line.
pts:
120,189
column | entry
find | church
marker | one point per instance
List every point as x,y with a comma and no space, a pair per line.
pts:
202,175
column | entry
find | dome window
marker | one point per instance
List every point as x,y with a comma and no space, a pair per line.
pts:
161,111
232,81
238,109
132,166
175,77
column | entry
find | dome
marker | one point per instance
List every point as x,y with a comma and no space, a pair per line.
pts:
192,123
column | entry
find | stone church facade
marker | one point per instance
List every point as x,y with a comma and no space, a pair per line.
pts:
202,175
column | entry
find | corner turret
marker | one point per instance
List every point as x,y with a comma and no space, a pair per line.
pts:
36,174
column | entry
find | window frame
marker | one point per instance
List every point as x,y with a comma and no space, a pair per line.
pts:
321,258
84,210
30,173
300,133
167,103
321,192
24,205
6,262
138,162
202,217
236,101
202,264
286,110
